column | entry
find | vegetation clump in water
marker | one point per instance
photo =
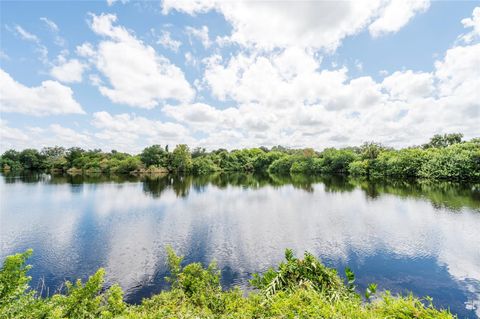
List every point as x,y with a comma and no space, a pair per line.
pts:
298,288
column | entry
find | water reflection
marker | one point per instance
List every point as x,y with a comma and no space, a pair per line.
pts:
406,236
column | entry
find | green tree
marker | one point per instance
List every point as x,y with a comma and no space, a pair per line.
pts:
154,155
31,159
10,160
199,151
54,157
73,153
181,159
440,141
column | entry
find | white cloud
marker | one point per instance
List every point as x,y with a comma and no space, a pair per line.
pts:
85,50
112,2
11,137
52,25
50,97
201,34
287,98
203,117
25,35
69,136
137,74
37,137
166,40
54,28
396,15
68,71
473,22
131,133
408,85
316,24
190,59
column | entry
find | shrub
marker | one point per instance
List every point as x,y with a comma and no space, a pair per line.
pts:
298,288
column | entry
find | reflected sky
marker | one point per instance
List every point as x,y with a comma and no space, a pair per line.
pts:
420,236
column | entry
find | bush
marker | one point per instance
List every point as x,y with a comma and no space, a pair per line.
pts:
458,162
298,288
358,168
337,161
282,165
203,165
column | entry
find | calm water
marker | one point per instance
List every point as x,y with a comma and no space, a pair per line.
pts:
419,237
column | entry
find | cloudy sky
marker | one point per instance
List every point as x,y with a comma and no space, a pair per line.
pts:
123,75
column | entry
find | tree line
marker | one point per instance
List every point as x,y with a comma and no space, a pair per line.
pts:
443,157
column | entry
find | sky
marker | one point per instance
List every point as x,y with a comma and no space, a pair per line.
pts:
124,74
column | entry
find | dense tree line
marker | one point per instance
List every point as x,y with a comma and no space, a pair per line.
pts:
297,288
444,157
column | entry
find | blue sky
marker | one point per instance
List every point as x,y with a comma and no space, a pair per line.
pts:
125,74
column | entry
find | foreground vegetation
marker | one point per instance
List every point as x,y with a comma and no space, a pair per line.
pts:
298,288
444,157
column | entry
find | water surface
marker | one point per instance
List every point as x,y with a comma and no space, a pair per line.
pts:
419,237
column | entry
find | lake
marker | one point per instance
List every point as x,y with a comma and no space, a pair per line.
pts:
420,237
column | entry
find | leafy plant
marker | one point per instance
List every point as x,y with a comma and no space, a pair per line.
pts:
294,273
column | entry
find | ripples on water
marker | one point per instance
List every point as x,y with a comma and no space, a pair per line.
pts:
406,236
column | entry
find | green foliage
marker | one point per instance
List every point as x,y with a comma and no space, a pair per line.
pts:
456,162
180,159
402,163
359,168
154,155
281,165
337,161
370,291
129,164
16,298
299,288
54,158
439,141
265,159
31,159
10,161
308,273
444,157
203,165
371,150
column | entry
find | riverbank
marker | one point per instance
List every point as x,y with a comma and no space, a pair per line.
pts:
443,158
298,288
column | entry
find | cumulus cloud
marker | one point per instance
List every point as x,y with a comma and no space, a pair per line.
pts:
408,85
36,137
474,23
166,40
138,76
85,50
287,98
316,24
199,33
272,88
10,136
130,132
68,71
69,136
50,97
396,15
